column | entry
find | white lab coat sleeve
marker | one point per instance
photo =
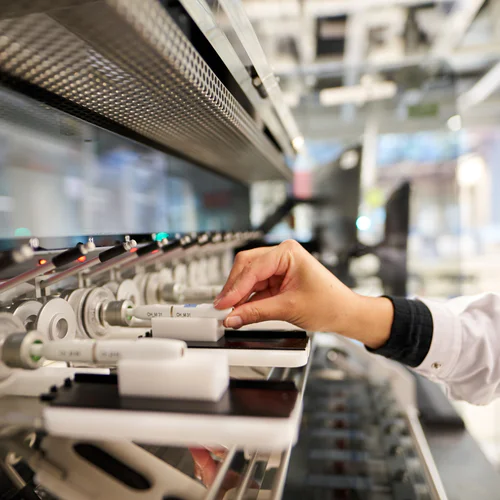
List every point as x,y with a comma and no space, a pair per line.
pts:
465,350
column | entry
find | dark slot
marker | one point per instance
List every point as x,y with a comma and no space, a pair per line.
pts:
95,378
262,342
112,466
265,334
270,385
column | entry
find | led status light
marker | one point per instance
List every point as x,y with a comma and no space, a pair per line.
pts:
161,236
42,262
363,223
82,258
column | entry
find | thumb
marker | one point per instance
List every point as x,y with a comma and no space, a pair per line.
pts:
256,311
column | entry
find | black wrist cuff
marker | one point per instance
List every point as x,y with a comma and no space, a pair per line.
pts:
411,332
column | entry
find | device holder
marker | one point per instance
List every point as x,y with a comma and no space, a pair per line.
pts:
155,368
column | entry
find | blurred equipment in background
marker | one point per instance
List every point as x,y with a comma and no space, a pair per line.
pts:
394,249
339,185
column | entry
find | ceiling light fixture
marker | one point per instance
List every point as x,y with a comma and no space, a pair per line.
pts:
358,94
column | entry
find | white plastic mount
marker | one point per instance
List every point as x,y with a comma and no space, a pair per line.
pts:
195,376
188,329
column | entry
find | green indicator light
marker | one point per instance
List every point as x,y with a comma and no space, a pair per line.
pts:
33,357
129,318
161,236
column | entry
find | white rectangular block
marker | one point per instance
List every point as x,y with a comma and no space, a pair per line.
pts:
188,329
196,376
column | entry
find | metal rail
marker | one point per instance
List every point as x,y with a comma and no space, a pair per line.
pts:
245,482
280,477
438,491
213,491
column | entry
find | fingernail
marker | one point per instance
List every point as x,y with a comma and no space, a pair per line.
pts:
234,322
217,300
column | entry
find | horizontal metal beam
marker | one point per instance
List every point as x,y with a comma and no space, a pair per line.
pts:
267,9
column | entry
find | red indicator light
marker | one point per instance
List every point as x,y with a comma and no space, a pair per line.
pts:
42,262
82,258
155,251
133,249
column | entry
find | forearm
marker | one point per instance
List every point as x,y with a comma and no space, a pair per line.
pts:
397,328
455,342
368,320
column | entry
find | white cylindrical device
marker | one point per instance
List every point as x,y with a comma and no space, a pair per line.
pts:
179,311
66,350
147,349
199,311
109,351
176,292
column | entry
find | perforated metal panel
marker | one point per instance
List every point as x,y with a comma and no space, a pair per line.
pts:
126,62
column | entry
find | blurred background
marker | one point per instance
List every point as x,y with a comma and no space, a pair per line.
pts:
416,84
397,172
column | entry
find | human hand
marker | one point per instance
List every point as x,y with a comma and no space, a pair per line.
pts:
287,283
206,468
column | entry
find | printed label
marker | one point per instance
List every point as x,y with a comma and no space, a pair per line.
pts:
110,355
70,354
154,314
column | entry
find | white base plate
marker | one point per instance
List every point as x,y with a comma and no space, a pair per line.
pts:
175,429
265,357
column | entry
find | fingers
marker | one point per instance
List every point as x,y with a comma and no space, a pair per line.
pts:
263,267
255,311
241,260
205,467
264,294
258,288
